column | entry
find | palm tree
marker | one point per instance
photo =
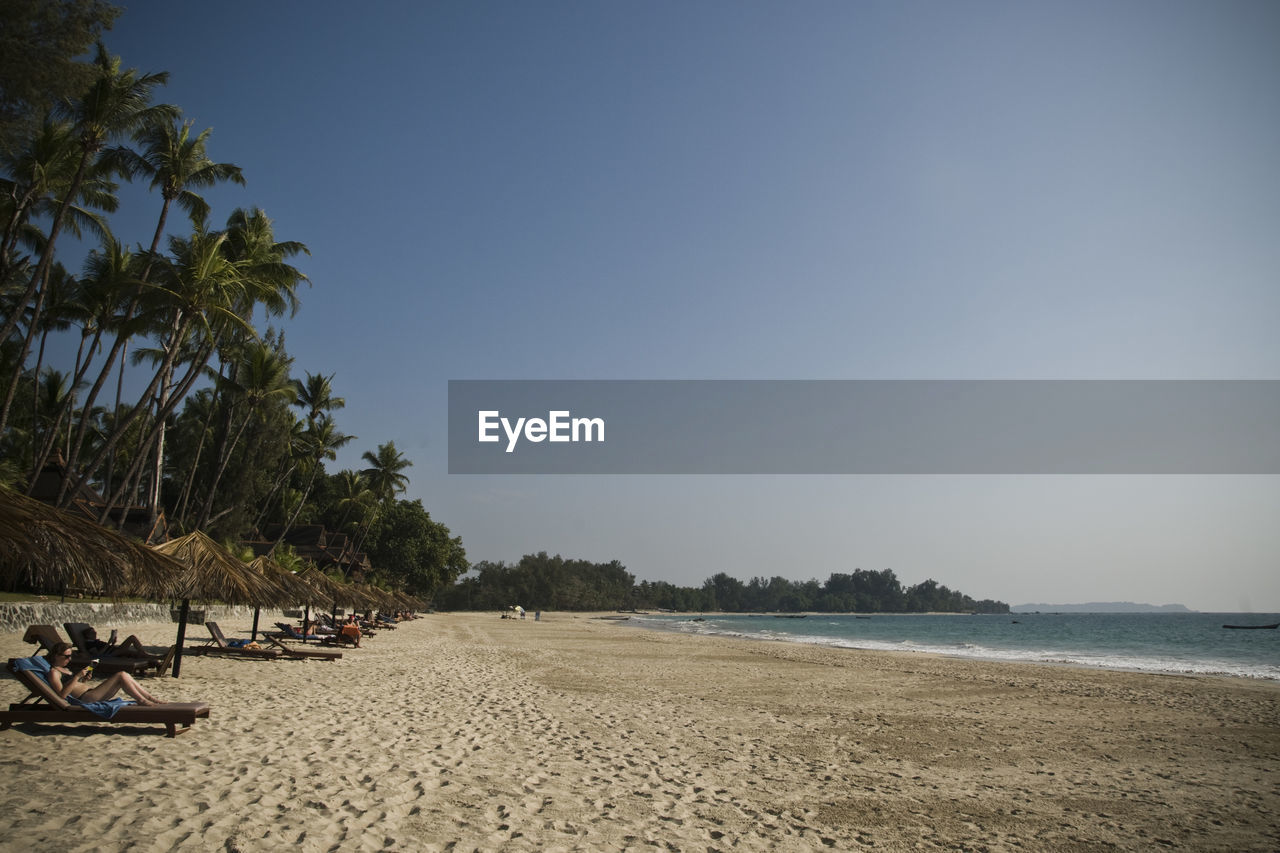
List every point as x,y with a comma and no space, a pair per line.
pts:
251,244
325,441
199,288
385,477
62,293
315,395
384,473
118,102
51,393
297,453
353,493
271,283
38,176
264,376
71,304
110,277
177,164
39,187
194,426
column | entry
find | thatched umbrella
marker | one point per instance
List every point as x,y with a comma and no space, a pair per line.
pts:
47,548
292,589
378,598
213,574
326,590
405,601
335,592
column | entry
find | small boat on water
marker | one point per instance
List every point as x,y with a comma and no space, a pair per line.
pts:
1270,627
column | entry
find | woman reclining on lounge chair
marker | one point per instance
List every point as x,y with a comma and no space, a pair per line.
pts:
67,683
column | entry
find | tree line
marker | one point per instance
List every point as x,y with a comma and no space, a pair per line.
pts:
226,435
542,582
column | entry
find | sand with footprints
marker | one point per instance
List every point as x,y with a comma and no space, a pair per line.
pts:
470,732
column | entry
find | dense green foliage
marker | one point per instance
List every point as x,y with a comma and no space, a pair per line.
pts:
226,436
408,546
554,583
40,44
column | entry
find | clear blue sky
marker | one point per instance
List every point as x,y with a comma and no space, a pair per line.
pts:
771,190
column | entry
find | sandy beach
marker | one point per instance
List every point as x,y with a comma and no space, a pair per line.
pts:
469,732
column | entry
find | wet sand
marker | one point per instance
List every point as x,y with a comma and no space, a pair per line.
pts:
470,732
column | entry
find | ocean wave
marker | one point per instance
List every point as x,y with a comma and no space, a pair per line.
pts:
977,651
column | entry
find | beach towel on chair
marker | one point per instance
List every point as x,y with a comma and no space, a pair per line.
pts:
106,708
35,664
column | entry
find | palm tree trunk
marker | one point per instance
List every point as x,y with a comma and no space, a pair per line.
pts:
162,412
35,398
122,424
21,360
120,350
73,458
131,485
157,465
206,508
226,458
111,460
9,242
181,511
38,282
367,527
303,502
266,504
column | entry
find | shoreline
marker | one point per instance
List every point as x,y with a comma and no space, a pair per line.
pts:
1160,665
1084,667
910,654
469,732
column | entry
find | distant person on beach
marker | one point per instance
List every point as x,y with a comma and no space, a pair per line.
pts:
75,684
130,648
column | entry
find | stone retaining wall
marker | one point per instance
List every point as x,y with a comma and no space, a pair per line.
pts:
16,616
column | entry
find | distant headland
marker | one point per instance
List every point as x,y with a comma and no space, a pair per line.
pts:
1101,607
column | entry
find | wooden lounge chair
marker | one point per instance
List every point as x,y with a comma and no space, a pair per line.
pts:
288,632
301,654
115,661
46,636
218,645
44,705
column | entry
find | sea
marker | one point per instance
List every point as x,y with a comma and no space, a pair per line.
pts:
1185,643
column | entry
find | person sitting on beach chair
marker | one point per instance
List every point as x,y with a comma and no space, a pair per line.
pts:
131,647
75,684
351,631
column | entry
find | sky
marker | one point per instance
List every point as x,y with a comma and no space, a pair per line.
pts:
770,190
